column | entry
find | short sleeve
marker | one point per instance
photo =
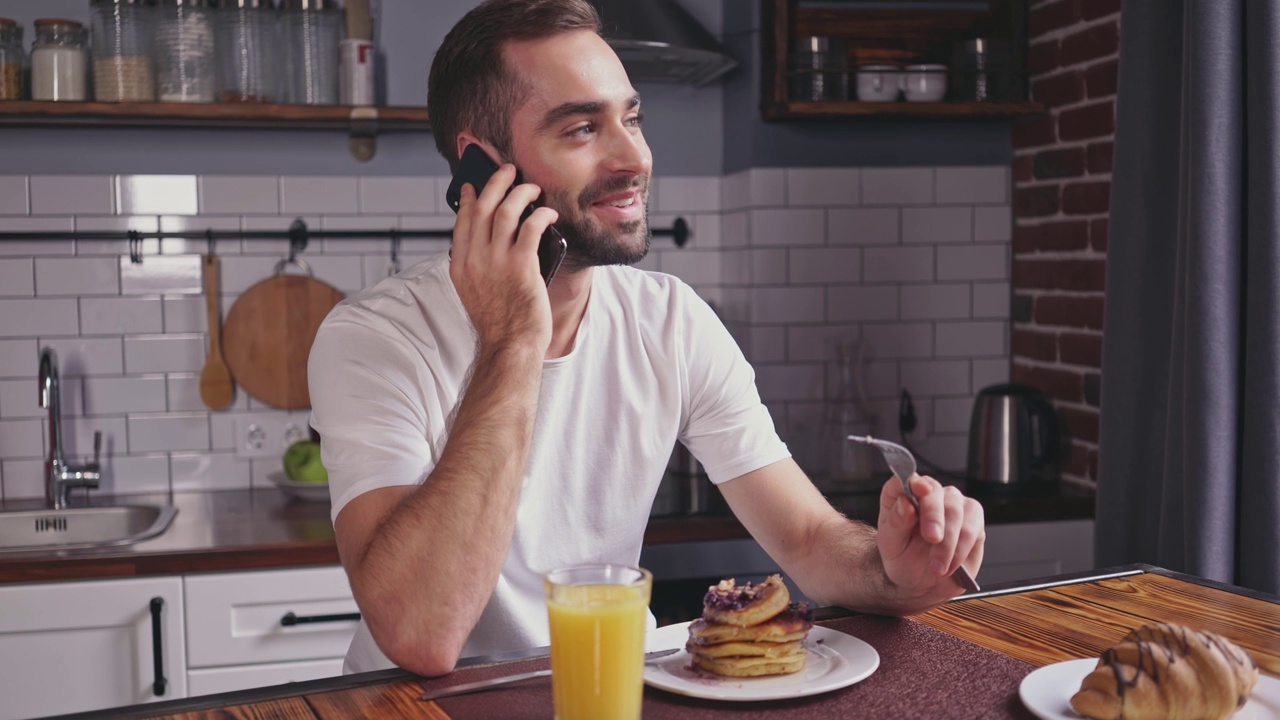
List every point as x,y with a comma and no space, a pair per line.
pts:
366,403
726,425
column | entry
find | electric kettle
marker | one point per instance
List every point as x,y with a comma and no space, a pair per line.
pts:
1013,437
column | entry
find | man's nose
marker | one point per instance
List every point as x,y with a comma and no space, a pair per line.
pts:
628,152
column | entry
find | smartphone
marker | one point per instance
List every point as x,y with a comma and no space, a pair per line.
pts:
475,167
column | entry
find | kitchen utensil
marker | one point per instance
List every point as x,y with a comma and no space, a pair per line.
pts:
903,464
216,388
1013,437
268,334
508,679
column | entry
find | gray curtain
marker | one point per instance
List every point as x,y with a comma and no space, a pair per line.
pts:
1189,456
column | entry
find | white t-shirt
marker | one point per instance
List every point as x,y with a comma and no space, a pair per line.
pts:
651,364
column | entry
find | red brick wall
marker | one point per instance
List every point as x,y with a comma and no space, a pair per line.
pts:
1062,188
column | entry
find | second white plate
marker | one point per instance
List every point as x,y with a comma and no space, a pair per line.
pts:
835,660
1047,692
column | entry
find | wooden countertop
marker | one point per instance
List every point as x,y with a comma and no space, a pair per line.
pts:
259,529
1038,624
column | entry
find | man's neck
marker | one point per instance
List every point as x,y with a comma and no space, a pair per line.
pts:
569,293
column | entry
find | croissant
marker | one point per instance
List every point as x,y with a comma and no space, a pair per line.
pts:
1168,672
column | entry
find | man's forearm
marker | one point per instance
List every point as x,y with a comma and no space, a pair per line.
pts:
428,572
841,566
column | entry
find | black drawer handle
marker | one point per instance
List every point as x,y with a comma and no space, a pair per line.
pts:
157,649
289,619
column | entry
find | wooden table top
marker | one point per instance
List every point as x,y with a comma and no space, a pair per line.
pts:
1042,623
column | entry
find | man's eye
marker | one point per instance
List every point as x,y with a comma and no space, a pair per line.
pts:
636,120
581,131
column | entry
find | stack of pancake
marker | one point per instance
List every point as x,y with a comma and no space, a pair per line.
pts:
750,630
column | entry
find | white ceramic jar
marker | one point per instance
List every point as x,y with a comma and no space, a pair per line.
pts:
924,83
878,83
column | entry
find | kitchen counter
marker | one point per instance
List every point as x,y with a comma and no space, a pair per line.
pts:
259,529
212,532
975,652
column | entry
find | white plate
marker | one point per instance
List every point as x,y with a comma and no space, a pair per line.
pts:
1047,692
315,492
835,660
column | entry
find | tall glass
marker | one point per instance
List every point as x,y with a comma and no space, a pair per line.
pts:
597,615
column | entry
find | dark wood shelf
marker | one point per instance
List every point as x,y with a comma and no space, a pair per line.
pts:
895,33
33,113
955,110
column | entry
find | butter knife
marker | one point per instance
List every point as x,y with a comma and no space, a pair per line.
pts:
903,465
508,679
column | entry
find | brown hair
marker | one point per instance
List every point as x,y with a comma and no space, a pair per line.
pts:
471,87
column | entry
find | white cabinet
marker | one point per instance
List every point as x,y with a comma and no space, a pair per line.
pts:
68,647
207,681
253,629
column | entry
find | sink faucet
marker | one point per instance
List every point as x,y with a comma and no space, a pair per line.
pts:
59,476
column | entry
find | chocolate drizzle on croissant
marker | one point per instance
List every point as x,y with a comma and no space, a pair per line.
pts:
1168,671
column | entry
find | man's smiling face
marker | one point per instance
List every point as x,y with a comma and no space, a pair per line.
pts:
578,136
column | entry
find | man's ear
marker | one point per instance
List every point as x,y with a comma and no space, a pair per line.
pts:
465,138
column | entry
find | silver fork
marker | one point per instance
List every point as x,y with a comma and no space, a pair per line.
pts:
903,465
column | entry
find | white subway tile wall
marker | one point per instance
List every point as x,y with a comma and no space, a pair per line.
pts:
13,195
914,261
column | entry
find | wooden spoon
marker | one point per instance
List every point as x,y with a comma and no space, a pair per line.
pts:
216,389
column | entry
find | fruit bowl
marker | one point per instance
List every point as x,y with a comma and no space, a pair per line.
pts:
312,492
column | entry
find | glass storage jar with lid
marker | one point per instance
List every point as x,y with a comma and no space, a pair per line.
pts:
184,51
123,68
13,60
59,63
313,32
246,47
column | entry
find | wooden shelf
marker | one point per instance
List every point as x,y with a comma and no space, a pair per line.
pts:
33,113
943,110
890,32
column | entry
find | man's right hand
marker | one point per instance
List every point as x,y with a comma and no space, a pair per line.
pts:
494,262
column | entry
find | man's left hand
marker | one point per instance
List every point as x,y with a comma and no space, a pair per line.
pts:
921,549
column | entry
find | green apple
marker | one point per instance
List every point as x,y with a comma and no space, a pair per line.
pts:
302,463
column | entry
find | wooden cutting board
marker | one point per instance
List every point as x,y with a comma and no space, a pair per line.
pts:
268,334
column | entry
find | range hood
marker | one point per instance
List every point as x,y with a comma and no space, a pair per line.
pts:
659,41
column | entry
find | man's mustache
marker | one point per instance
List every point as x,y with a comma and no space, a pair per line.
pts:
612,185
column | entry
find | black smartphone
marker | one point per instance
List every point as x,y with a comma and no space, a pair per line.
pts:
475,167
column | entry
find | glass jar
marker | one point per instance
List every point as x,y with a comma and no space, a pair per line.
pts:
849,465
243,46
184,52
313,31
818,71
59,63
13,60
123,69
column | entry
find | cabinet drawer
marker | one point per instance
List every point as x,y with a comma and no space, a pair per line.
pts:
208,681
236,618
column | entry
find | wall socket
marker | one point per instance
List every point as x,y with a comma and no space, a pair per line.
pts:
268,435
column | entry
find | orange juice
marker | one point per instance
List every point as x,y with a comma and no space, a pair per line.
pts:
597,648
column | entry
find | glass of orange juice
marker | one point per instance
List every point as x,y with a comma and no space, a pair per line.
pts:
597,615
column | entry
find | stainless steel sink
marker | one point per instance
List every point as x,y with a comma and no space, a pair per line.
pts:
24,530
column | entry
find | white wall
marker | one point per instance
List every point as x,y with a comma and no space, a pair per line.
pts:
913,260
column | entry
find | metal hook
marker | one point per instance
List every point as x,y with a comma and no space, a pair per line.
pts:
297,239
395,251
135,247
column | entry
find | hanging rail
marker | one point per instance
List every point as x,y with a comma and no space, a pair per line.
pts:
298,235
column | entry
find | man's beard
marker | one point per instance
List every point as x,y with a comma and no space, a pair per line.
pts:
590,243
